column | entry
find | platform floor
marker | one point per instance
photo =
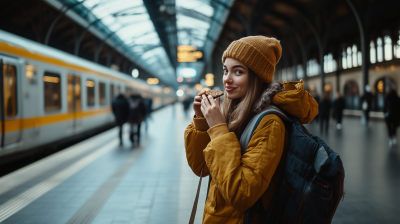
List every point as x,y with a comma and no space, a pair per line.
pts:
97,181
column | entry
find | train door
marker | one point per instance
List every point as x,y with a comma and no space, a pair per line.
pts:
10,113
74,100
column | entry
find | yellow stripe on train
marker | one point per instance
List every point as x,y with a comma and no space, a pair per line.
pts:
26,123
14,50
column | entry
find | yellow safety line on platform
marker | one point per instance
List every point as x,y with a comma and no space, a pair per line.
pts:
25,123
22,200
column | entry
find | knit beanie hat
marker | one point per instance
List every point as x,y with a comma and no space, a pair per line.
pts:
259,53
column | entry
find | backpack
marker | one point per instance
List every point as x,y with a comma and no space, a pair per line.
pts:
311,184
135,115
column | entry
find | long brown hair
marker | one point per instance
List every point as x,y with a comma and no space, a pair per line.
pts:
238,113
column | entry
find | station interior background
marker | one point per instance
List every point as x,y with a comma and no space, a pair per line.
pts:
65,61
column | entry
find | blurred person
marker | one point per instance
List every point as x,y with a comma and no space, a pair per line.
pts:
120,108
212,139
324,112
392,115
316,97
338,106
366,102
186,105
148,102
137,113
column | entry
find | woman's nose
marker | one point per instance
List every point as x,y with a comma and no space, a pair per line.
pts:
227,79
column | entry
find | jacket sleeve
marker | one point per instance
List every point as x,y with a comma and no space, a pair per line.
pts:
196,140
242,180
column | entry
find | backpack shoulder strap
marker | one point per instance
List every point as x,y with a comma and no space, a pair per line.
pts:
255,121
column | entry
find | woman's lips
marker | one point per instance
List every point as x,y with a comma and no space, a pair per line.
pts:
229,89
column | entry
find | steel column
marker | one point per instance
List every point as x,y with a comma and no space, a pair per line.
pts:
320,50
338,56
364,66
303,53
109,57
79,40
246,24
286,63
98,49
46,42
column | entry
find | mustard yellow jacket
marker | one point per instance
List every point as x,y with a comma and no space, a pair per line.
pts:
238,181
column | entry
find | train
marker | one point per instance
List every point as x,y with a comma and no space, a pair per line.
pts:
51,96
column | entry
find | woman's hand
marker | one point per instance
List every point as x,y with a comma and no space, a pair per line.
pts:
211,110
197,104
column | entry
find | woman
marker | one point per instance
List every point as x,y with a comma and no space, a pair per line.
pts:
212,139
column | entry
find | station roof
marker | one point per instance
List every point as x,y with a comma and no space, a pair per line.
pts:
152,30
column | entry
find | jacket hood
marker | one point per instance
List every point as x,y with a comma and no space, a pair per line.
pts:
297,102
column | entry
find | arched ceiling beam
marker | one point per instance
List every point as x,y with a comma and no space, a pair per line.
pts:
194,14
364,66
245,22
302,13
261,8
62,12
303,50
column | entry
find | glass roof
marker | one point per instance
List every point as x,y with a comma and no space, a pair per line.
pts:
128,23
193,21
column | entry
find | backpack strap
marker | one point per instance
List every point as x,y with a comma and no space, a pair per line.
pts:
244,142
196,200
255,121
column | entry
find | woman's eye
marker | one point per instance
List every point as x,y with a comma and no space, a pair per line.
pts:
238,72
225,71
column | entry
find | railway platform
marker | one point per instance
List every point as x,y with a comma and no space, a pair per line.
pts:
98,181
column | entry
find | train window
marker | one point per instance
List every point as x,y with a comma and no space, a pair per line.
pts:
52,91
70,93
31,73
111,92
90,85
118,90
78,102
102,93
10,90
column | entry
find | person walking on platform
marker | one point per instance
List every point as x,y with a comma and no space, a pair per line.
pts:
316,97
120,108
241,176
338,106
325,110
148,102
186,105
392,115
366,101
137,113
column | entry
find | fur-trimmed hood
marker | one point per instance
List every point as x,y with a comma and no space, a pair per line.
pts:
297,102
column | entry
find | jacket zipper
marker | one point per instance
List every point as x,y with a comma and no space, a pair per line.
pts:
322,185
340,197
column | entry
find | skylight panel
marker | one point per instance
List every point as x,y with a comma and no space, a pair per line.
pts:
151,53
198,43
186,21
150,38
199,6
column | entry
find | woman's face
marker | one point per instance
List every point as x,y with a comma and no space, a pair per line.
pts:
235,78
